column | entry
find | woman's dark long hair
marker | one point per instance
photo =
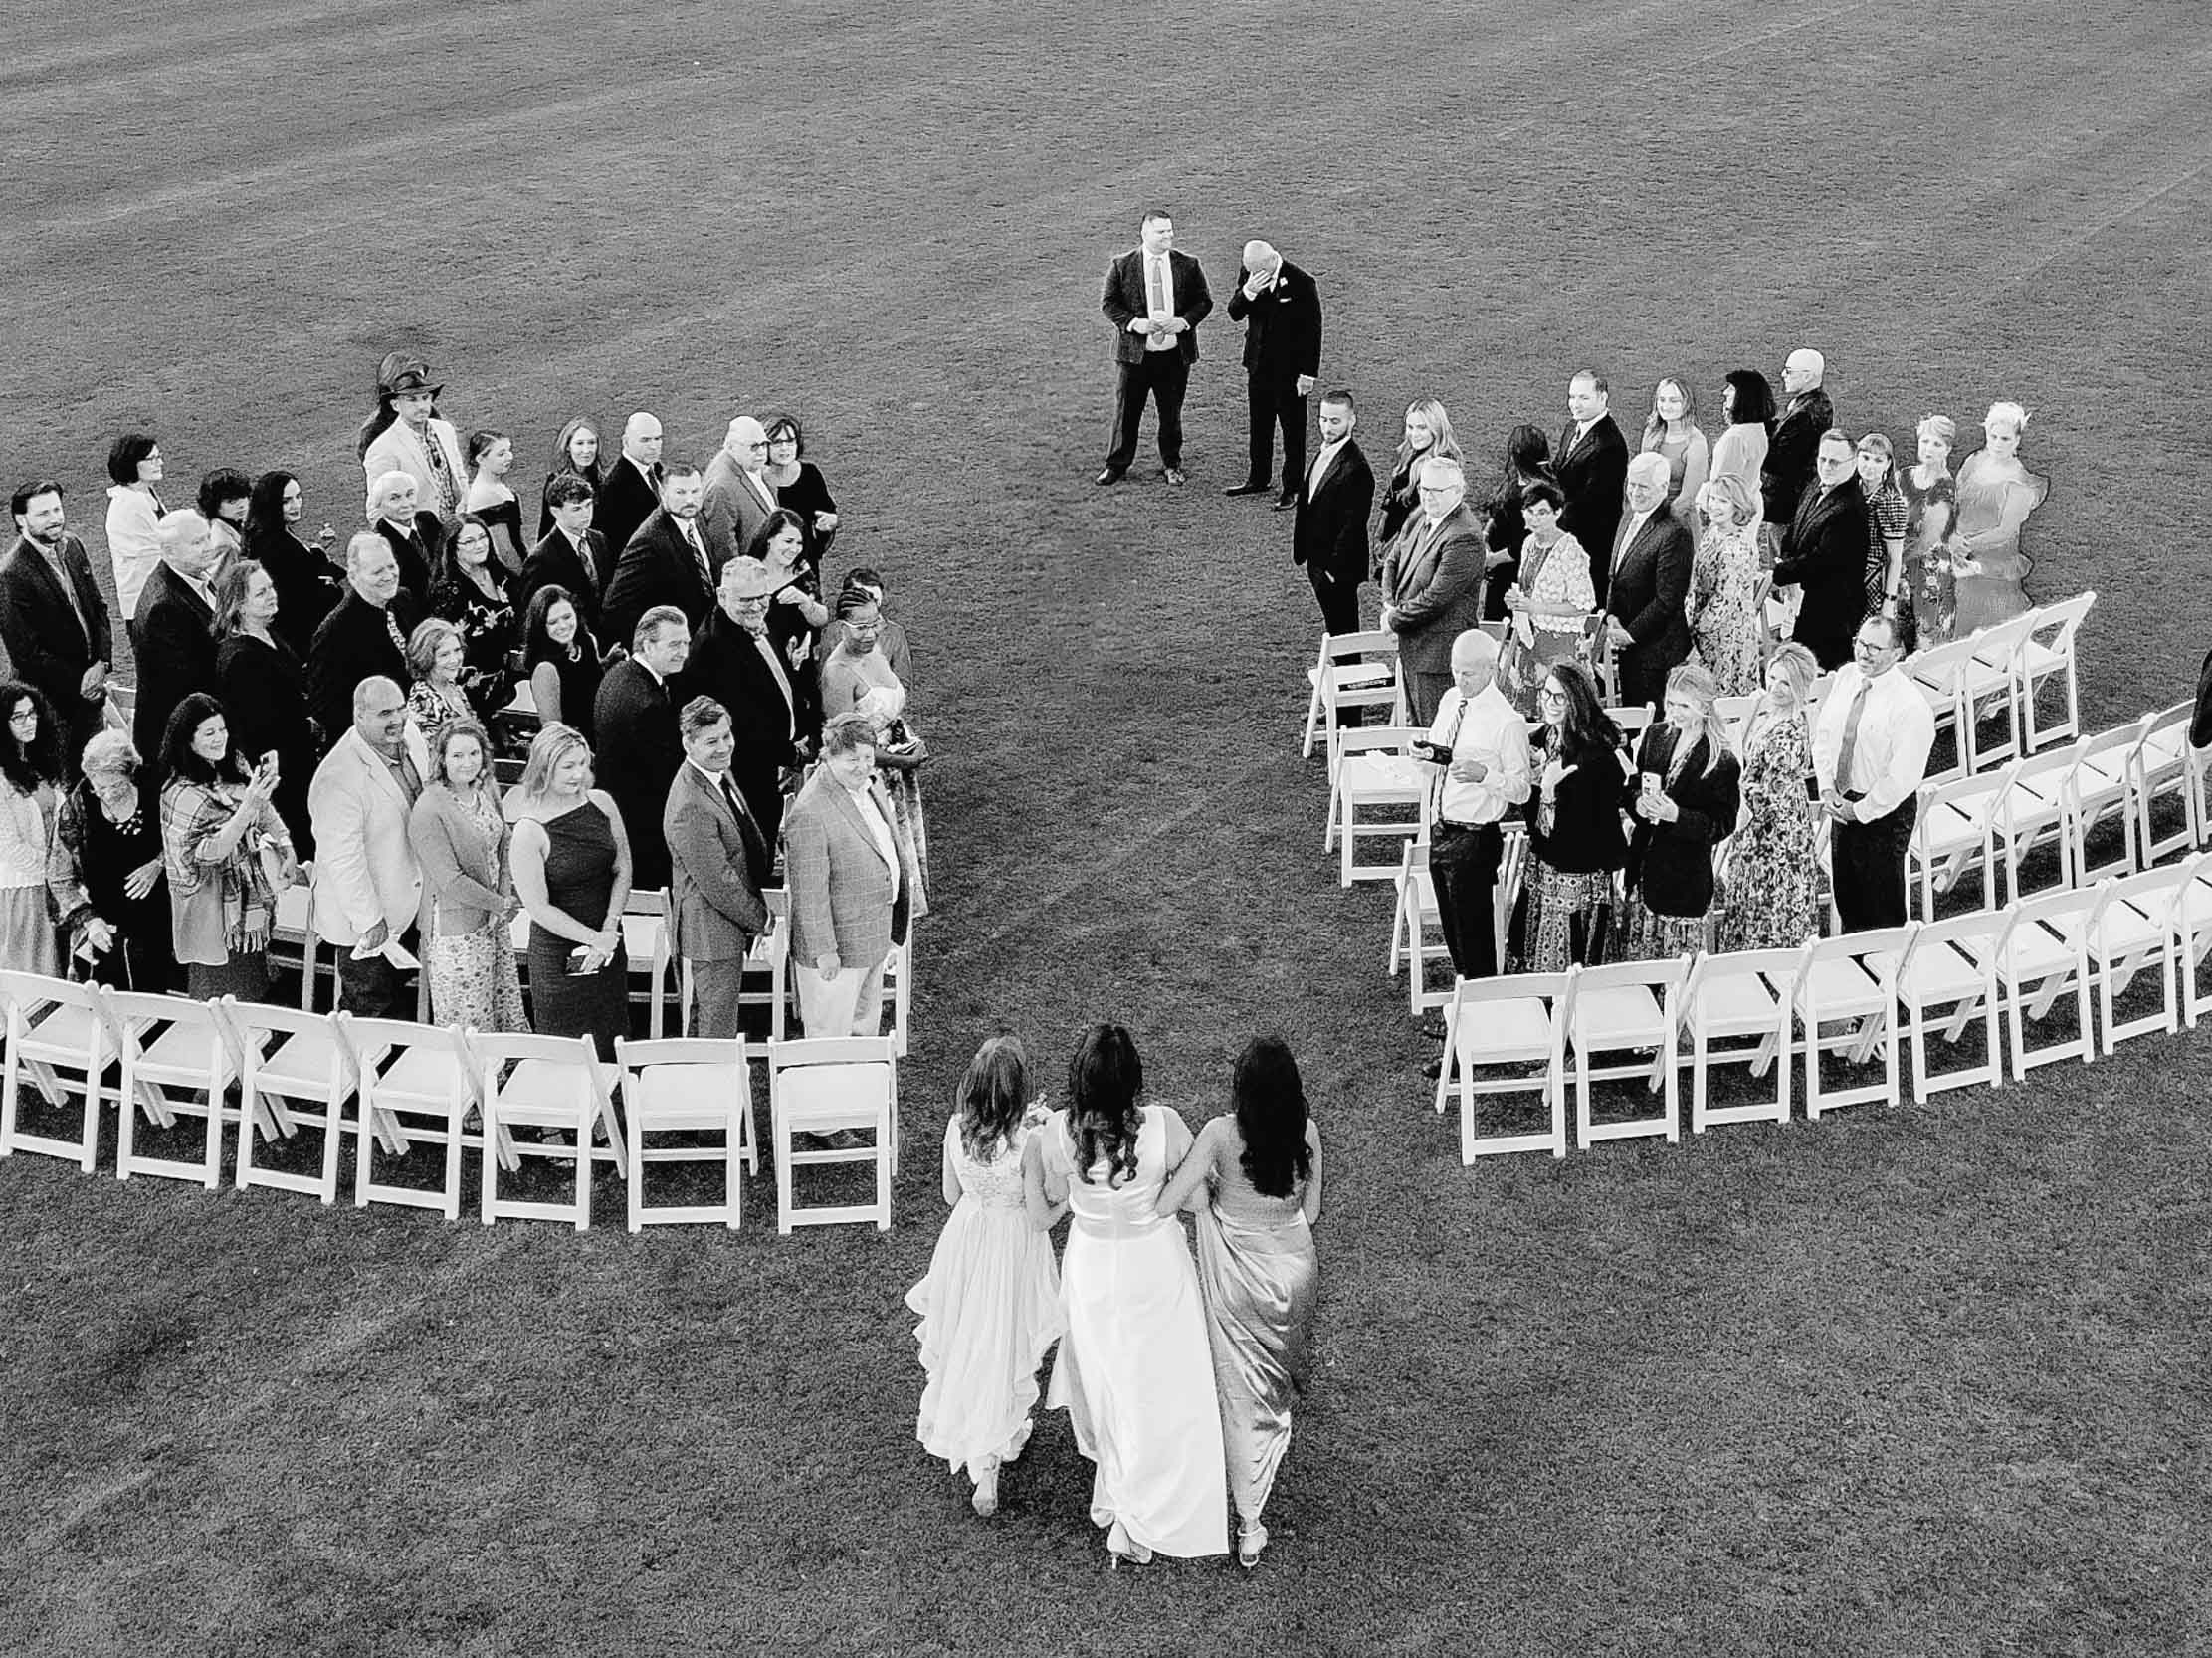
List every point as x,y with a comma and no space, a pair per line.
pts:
537,644
1587,728
28,764
993,1096
1753,403
1271,1116
264,507
178,760
1105,1078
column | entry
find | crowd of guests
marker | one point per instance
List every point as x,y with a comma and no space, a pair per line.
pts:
683,692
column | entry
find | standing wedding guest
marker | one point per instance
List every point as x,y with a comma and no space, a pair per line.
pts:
848,885
1748,405
719,865
1671,432
1796,441
737,661
796,614
224,852
1550,603
1280,309
470,590
1824,551
1428,436
891,641
1155,297
632,489
105,871
1996,493
855,679
1683,794
1723,610
172,631
571,861
135,512
367,890
1775,903
575,455
570,555
31,780
1254,1178
458,837
416,534
54,623
437,660
738,497
1432,584
989,1305
668,563
407,434
225,497
1869,753
1650,587
1576,844
563,662
1528,461
1886,518
798,484
1591,462
640,744
263,688
492,502
364,636
306,587
1931,513
1329,534
1134,1371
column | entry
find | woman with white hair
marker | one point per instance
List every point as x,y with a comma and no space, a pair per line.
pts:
1996,493
417,537
105,871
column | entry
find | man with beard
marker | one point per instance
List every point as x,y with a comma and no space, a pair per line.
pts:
53,620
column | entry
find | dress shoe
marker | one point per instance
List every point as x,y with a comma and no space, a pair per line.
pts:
1249,488
1174,475
1285,501
1121,1547
1434,1068
1250,1541
986,1499
1111,475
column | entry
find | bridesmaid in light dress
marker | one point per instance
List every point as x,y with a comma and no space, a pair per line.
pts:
1996,493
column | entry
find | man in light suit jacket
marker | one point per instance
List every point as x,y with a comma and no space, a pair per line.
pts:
53,619
417,442
368,889
848,882
572,556
1592,469
640,747
1281,313
174,632
1651,585
1432,584
1329,534
667,560
719,862
1155,297
738,496
1824,551
633,484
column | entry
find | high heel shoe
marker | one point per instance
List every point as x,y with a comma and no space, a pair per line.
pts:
1121,1547
1250,1541
986,1499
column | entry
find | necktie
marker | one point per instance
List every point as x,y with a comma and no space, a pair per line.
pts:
591,570
392,630
729,794
690,534
767,648
56,563
1847,750
1155,286
1436,806
439,474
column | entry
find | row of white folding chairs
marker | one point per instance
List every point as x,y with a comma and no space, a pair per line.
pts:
2002,671
411,1084
2080,947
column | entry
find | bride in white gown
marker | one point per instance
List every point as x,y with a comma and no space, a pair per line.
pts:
1134,1373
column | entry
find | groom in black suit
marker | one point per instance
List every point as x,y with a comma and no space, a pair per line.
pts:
1593,468
1155,297
1281,313
1329,534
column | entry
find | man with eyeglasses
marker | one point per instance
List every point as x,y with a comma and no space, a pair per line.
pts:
53,619
739,496
1432,584
1869,757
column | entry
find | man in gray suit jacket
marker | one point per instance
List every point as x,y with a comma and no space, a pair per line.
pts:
719,862
848,885
1432,584
738,496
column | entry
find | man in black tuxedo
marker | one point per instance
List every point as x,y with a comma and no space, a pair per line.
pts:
640,745
1281,313
364,637
734,662
633,484
1824,551
1789,467
53,620
1329,534
1650,583
665,561
1592,469
173,633
572,556
1155,297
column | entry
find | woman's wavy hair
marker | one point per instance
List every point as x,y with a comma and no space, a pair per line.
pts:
1587,728
1269,1104
28,764
1105,1079
537,644
178,757
1441,441
264,507
229,587
993,1096
1701,688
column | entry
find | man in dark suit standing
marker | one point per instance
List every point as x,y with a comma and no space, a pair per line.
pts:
665,561
1650,583
1824,551
1155,297
734,662
53,620
1789,466
633,484
365,637
1281,313
1592,469
1432,584
572,556
173,633
719,862
639,745
1329,534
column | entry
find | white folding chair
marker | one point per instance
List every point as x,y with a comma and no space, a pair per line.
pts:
828,1085
2163,764
1513,869
547,1083
2103,789
288,933
2035,807
1739,996
1951,979
2137,928
59,1039
898,992
1353,671
169,1042
296,1072
1508,1021
1953,832
689,1086
1376,773
769,958
2043,956
1628,1005
645,943
415,1084
2046,656
1851,981
1990,685
1940,674
2192,929
1411,924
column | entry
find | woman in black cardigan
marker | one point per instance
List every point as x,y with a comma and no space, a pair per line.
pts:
1684,796
306,581
259,680
1575,843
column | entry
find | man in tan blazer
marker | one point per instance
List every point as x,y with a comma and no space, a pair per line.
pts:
717,864
368,889
848,884
1432,584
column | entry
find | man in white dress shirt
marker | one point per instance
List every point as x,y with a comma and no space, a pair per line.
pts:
1870,754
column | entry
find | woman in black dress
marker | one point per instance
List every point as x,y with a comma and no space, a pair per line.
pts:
1528,461
575,454
306,581
799,485
571,863
105,872
491,502
562,659
263,688
469,591
1576,842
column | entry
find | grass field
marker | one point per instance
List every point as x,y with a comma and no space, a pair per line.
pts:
1921,1382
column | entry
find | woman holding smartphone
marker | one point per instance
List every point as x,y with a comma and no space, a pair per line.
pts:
571,865
1684,797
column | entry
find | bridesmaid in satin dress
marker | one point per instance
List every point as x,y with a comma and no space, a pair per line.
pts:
1255,1179
1996,493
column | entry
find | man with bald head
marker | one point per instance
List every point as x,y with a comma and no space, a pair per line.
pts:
633,485
173,629
1646,598
367,887
366,634
1432,583
1280,309
739,496
1790,453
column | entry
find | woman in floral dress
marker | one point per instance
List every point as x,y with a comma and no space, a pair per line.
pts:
1889,517
1723,608
1549,601
1774,890
1930,512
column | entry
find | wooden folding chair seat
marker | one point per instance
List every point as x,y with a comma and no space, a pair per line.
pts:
1743,997
1629,1005
1510,1021
2043,956
2036,808
2135,930
1940,674
171,1043
645,943
2192,927
1850,982
2164,764
2044,658
825,1086
1376,774
1951,979
689,1086
1353,671
1989,689
546,1083
1954,831
2103,789
296,1072
415,1083
61,1041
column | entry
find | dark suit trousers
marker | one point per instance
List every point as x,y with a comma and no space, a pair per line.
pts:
1424,694
1161,376
1274,403
373,988
714,988
1869,860
1464,865
1340,600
